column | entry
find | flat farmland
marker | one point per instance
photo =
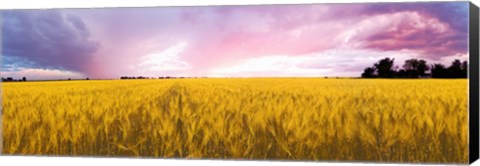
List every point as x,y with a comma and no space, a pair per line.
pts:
396,120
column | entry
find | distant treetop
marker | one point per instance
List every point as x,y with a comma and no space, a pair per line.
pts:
416,68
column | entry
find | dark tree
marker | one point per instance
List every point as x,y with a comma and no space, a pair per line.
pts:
88,78
69,79
384,68
455,70
415,68
369,72
464,69
422,68
402,73
24,78
439,71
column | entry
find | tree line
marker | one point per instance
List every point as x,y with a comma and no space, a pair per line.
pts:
416,68
10,79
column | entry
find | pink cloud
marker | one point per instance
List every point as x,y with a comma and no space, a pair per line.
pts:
219,37
406,30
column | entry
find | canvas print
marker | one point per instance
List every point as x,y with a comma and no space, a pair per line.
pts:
358,82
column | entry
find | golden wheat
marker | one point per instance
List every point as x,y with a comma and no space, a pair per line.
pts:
255,118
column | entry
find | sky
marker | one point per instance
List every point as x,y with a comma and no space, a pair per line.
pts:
303,40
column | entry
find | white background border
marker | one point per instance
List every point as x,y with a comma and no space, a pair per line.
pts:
82,161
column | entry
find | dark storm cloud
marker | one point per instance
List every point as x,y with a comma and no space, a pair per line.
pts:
45,39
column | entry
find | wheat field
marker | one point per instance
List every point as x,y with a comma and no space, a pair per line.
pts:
423,120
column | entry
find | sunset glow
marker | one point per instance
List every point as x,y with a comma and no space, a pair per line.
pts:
229,41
